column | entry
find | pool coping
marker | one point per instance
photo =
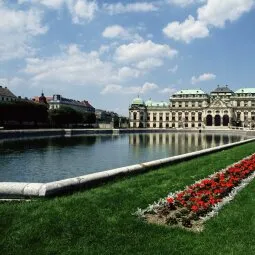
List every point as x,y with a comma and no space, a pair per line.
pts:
26,189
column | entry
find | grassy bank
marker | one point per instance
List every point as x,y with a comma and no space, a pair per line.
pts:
100,220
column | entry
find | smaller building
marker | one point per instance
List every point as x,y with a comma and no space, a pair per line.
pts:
6,95
105,116
42,99
81,106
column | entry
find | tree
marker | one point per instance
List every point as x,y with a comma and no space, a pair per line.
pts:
23,111
64,116
89,118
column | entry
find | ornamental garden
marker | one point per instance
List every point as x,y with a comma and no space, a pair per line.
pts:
191,207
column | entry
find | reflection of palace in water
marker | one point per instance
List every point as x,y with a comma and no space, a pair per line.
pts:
196,109
182,142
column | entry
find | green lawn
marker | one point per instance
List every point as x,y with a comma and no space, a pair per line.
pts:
100,220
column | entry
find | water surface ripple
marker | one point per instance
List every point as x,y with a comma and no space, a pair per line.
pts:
51,159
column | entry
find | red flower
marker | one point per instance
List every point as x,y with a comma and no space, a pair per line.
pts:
170,200
194,208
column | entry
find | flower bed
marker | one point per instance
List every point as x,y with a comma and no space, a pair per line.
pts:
202,200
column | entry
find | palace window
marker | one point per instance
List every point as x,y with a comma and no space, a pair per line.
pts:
253,116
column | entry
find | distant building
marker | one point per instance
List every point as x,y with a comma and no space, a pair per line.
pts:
83,106
6,95
105,116
42,99
193,108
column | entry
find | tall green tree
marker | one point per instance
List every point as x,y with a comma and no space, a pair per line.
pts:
64,116
23,111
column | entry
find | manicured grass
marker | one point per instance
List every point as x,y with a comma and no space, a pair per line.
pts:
100,220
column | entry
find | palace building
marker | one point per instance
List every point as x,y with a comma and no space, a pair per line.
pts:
193,108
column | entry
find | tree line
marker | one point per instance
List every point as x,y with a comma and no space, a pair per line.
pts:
22,112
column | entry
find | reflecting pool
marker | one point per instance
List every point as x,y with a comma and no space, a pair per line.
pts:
50,159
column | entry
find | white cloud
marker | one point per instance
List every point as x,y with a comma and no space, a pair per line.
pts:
187,31
147,86
214,13
217,12
80,10
184,3
17,29
149,63
119,8
137,52
167,91
75,67
119,32
203,77
118,89
126,72
173,69
54,4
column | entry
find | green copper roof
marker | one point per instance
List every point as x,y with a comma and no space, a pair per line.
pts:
137,101
245,91
190,92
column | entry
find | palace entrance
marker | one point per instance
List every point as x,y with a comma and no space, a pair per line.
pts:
225,120
209,120
217,120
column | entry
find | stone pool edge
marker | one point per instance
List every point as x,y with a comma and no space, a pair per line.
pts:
24,189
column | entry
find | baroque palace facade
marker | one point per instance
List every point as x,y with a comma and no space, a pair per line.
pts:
193,108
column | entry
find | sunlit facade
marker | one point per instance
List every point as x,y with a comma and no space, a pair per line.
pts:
190,108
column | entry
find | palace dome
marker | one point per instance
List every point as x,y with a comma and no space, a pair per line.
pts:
137,101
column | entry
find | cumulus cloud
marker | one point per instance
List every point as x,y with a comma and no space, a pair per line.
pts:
214,13
149,63
118,89
119,8
80,10
76,67
203,77
217,12
167,91
186,31
173,69
119,32
184,3
137,52
54,4
17,29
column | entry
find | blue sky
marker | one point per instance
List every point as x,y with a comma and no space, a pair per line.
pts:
108,52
